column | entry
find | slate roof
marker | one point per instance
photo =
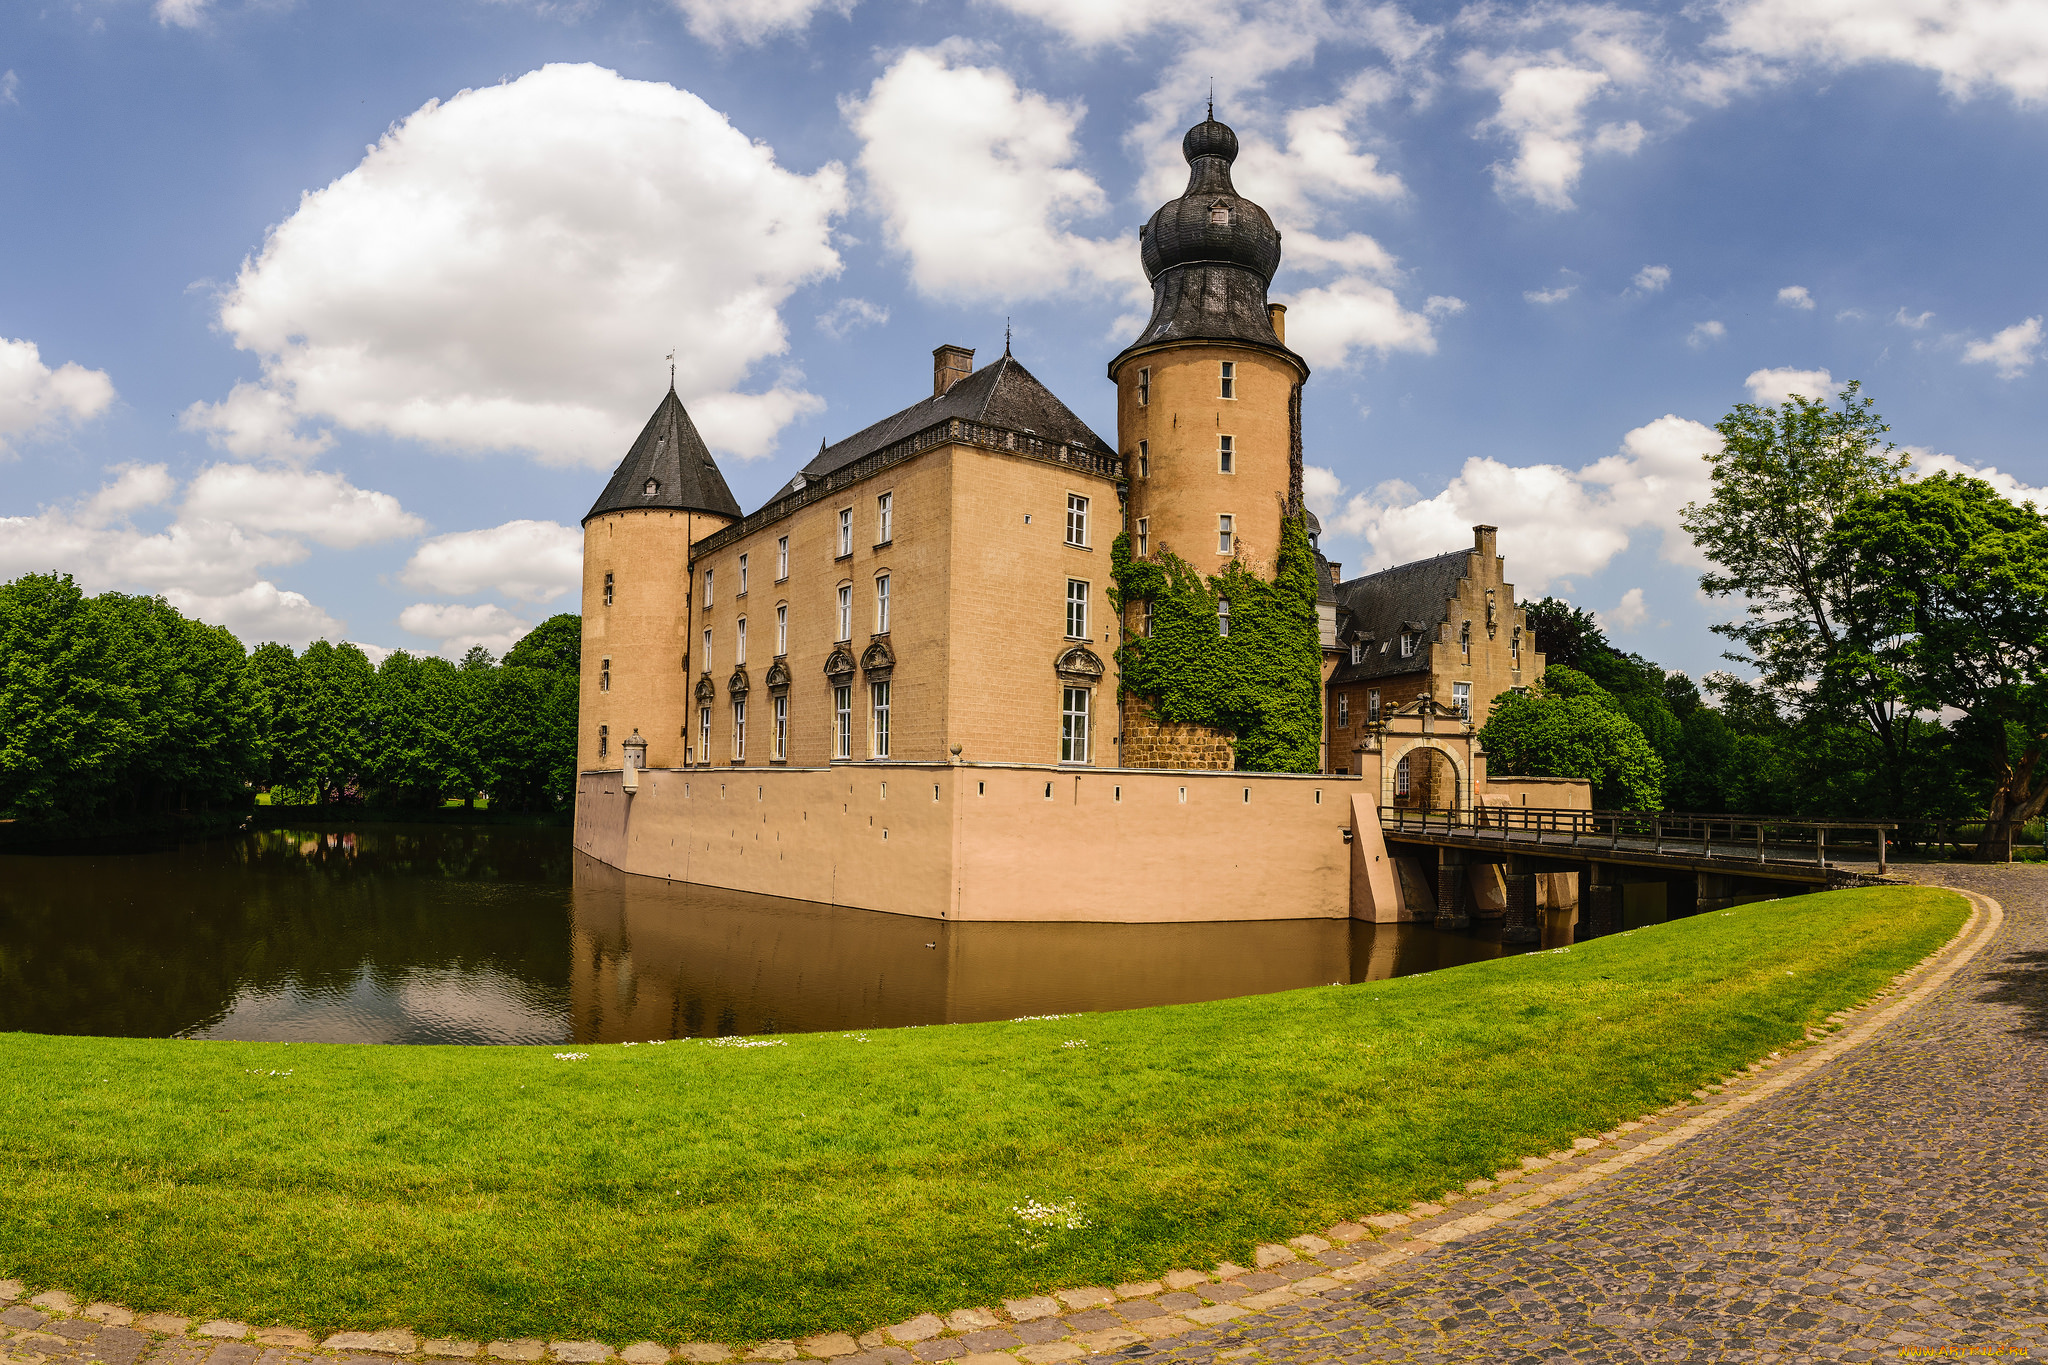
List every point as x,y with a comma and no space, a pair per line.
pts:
1384,604
1002,394
674,456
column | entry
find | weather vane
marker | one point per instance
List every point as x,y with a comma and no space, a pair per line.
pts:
1006,336
671,369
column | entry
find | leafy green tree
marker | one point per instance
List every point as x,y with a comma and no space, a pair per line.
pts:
1570,726
1564,633
554,646
280,686
66,723
1949,603
339,726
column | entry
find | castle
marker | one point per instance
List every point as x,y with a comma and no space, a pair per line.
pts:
954,596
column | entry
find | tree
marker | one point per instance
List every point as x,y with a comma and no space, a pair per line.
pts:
1564,634
554,646
1572,727
1781,478
339,734
1949,606
280,686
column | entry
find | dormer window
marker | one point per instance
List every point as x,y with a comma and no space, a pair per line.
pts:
1407,644
653,487
1219,216
1357,652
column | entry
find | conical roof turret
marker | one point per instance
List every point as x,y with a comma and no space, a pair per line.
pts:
669,468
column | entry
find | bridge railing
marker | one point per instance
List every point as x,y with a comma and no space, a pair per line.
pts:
1723,838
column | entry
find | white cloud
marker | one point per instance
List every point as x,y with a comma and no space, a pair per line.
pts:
1549,296
1914,320
260,612
1321,488
528,561
2012,351
10,87
1331,325
134,487
1772,387
1652,278
1563,523
1627,614
1542,109
256,420
2008,485
1443,305
975,183
850,315
506,270
323,507
1705,334
752,21
1795,296
180,13
1972,45
204,557
34,397
456,628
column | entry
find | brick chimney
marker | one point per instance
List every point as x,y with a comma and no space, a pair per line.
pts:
950,365
1336,574
1484,539
1276,313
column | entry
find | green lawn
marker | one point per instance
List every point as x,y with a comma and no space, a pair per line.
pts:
691,1191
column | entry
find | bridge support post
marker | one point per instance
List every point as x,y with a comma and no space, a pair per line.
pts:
1519,924
1599,900
1451,912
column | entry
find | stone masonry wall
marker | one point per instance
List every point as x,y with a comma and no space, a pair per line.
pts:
1152,743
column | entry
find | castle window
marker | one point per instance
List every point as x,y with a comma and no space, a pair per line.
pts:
1144,536
845,531
604,740
743,577
781,558
1219,216
1357,652
1226,534
1145,387
781,728
1077,519
1401,778
1461,698
707,649
651,489
882,604
1465,641
781,629
703,734
1372,705
707,587
1407,644
607,589
1144,459
842,721
1145,620
1226,454
604,675
1223,617
1073,725
739,647
1077,609
880,692
884,518
739,727
1343,710
845,612
1229,380
1515,648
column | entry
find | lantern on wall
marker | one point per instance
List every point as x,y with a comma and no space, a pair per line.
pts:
635,750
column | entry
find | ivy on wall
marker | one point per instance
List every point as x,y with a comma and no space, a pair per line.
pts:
1264,681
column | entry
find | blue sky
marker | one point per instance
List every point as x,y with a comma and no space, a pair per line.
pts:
329,319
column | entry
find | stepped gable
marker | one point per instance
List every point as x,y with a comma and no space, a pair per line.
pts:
1210,255
1003,394
1381,605
675,459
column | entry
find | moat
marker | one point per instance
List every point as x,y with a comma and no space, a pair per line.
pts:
453,934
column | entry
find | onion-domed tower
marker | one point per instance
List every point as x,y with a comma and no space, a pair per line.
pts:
1209,396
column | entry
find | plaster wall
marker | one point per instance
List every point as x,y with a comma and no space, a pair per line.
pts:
989,842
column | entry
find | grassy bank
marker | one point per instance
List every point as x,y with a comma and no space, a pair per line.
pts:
703,1191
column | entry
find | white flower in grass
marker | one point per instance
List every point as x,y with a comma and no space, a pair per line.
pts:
732,1041
1035,1018
571,1056
1075,1042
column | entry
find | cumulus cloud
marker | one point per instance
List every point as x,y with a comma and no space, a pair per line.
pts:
10,87
1705,334
133,487
322,507
505,270
1549,296
1542,110
754,21
1772,387
180,13
975,181
455,628
528,561
1627,614
2009,486
35,398
1973,45
1333,325
1913,320
1652,278
850,315
1565,523
260,612
1795,296
1443,305
2011,351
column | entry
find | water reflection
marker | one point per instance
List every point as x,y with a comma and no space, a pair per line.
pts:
395,934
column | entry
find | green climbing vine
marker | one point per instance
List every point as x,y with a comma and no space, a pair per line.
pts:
1263,681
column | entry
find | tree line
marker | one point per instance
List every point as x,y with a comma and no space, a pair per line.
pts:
1897,627
117,707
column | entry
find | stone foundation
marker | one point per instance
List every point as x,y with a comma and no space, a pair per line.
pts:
1152,743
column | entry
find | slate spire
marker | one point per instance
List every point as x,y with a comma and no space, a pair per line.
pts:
669,468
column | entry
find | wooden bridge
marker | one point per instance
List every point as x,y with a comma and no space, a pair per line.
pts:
1703,862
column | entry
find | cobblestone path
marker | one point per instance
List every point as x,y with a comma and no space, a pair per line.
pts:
1892,1204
